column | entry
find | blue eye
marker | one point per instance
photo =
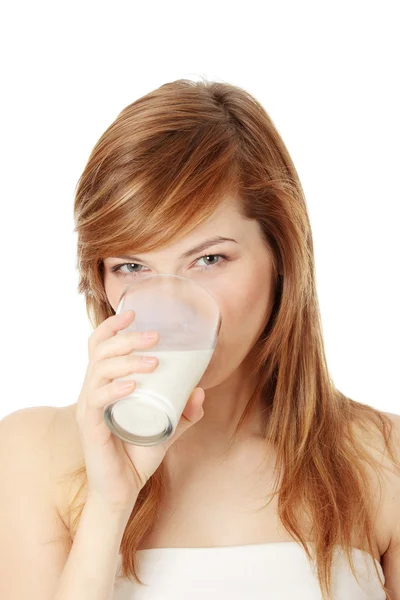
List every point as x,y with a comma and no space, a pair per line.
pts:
117,268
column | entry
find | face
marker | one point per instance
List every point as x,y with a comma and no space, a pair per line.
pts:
239,274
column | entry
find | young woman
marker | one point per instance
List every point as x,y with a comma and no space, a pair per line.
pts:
275,484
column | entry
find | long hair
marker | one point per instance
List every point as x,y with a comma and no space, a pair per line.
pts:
160,170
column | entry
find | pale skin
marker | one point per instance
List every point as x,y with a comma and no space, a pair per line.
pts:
243,287
211,497
224,488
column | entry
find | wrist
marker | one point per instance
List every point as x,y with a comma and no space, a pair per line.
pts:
117,515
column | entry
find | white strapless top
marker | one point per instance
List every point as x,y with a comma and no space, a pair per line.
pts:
272,570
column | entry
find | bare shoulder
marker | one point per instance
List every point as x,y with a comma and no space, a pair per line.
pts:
29,433
37,422
67,450
388,490
391,477
38,414
384,480
390,558
57,441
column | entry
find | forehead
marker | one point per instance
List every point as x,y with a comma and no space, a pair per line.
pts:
226,221
227,212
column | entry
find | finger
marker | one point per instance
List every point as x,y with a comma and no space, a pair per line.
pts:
123,344
105,371
91,413
192,413
110,327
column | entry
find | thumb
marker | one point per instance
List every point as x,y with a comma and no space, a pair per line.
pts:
192,413
193,410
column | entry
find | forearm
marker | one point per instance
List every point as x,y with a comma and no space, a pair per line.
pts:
89,573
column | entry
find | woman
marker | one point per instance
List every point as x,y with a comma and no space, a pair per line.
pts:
275,484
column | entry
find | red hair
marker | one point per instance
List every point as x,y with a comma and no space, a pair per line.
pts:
158,171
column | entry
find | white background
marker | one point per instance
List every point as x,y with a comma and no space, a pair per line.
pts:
326,72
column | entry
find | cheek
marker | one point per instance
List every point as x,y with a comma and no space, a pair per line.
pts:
246,315
245,309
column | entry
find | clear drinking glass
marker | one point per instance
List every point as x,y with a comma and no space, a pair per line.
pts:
188,320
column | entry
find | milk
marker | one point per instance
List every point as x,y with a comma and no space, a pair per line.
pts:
172,381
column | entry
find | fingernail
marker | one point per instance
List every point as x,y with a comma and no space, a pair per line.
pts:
149,335
151,360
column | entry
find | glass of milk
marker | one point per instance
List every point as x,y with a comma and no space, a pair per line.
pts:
188,319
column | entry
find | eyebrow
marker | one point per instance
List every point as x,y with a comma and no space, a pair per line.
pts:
205,244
